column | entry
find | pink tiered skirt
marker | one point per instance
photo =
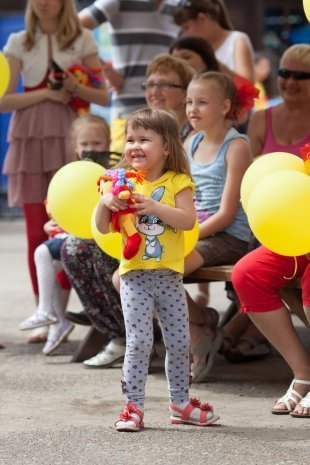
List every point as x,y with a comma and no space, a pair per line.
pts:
38,138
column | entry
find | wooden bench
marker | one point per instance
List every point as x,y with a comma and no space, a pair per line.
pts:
291,295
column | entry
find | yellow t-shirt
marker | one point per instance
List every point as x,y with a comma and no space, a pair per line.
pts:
161,246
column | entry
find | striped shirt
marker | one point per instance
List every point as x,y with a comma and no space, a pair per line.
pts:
139,30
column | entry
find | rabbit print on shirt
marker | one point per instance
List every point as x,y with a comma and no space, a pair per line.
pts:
152,227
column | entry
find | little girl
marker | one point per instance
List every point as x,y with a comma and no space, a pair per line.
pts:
153,277
219,156
91,134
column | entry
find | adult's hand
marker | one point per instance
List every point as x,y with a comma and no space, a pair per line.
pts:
114,78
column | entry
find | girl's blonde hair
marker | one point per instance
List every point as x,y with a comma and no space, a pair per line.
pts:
86,120
190,9
166,125
164,63
68,30
298,52
226,88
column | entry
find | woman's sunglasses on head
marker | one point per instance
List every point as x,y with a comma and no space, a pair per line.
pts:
297,75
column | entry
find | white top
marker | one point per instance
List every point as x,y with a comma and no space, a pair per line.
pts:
35,62
226,52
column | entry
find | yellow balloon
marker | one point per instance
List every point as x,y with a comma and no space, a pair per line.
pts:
110,243
190,239
4,74
307,9
279,214
72,196
265,165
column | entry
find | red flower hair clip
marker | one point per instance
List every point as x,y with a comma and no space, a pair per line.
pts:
245,95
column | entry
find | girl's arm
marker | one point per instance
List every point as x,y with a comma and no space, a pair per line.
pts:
256,132
244,58
103,214
15,101
238,159
182,216
98,95
108,204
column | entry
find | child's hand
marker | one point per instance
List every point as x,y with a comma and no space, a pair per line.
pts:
61,95
70,83
50,227
113,203
144,205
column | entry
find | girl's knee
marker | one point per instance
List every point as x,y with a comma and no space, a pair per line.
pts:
41,252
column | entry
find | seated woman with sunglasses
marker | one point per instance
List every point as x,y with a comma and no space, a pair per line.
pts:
285,127
281,128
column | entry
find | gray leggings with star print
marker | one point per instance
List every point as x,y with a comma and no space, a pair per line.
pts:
141,292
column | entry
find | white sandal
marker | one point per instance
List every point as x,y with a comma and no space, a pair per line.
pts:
290,396
304,403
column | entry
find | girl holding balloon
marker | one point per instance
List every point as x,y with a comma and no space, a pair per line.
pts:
41,114
90,138
153,277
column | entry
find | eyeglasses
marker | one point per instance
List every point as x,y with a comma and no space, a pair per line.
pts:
297,75
160,85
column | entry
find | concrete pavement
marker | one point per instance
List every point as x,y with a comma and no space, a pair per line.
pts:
54,412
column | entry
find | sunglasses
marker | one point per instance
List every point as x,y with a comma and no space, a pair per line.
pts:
297,75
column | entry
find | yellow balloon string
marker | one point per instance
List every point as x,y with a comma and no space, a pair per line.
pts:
295,269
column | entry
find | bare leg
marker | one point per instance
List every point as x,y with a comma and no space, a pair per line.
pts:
307,313
235,328
278,328
116,280
202,296
202,321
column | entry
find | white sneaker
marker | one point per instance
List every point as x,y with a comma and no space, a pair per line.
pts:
112,353
57,335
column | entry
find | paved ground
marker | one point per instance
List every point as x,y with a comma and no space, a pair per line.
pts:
54,412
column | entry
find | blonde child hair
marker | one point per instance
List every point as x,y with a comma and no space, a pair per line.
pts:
85,120
240,100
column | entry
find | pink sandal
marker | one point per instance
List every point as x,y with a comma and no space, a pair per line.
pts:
182,416
130,419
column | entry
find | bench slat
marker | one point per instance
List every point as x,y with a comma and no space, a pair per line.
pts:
223,273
